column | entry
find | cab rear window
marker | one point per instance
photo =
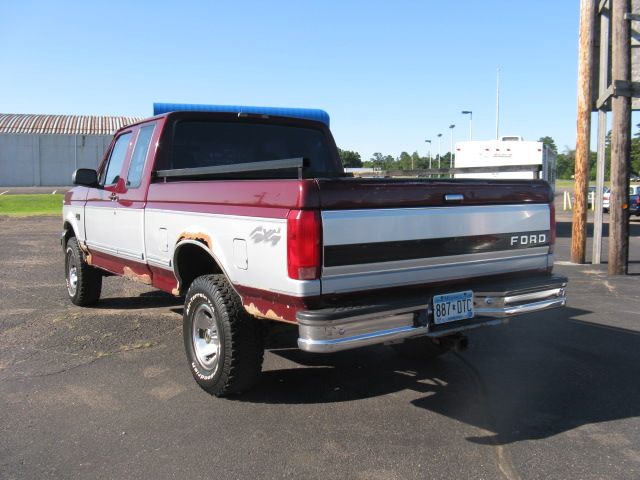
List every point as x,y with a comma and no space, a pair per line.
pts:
209,143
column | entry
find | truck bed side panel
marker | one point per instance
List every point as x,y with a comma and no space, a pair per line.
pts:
241,223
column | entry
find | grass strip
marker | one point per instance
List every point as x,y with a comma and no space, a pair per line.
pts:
31,205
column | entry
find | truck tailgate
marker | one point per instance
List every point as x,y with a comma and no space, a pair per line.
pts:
419,232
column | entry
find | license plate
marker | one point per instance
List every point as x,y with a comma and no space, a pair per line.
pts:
452,307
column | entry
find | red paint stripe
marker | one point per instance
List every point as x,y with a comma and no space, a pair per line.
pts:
273,305
284,194
163,279
355,193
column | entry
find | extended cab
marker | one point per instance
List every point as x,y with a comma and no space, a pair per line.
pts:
252,219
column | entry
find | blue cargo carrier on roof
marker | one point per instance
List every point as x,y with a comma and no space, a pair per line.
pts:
306,113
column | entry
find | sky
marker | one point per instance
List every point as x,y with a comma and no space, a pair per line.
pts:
391,74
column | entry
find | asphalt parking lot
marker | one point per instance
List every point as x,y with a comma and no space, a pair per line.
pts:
105,392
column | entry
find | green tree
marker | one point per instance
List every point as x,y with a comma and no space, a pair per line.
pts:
635,152
350,158
390,163
419,162
445,160
377,160
404,161
566,164
549,141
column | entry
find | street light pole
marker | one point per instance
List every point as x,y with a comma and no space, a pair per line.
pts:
439,148
451,127
429,152
470,113
497,102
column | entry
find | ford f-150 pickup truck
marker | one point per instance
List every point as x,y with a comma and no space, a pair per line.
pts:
252,218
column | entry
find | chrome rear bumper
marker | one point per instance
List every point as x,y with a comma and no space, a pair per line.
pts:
336,329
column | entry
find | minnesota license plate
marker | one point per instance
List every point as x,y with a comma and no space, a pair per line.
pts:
452,307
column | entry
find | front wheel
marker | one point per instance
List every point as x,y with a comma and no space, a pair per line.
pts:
84,283
224,345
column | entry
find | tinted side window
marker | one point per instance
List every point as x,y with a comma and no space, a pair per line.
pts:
116,160
134,177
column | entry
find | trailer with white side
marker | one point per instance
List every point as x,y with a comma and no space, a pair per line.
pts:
538,161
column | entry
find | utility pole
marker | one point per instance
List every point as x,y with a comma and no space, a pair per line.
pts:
583,137
497,103
451,127
439,148
620,141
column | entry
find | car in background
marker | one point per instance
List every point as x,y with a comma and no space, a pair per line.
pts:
591,198
605,200
634,191
634,205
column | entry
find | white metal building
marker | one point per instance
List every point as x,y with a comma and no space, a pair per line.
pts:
45,149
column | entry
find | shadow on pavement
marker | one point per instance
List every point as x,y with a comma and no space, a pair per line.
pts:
535,378
152,299
563,229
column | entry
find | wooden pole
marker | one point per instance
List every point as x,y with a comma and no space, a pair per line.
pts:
620,141
583,137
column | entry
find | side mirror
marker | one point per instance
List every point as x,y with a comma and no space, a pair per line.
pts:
86,177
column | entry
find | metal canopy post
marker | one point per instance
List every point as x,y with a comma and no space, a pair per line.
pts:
603,82
618,90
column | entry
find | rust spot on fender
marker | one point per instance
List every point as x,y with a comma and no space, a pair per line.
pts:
175,292
89,259
269,314
131,275
197,236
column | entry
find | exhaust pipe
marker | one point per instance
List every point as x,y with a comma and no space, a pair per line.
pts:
457,343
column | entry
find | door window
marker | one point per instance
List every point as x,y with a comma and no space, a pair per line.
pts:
118,154
134,177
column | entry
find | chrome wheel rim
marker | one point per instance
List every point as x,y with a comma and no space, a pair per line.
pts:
205,338
72,273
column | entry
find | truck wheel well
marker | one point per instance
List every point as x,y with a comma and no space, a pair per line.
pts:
190,262
68,232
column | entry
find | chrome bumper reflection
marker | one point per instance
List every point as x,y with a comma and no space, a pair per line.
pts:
491,308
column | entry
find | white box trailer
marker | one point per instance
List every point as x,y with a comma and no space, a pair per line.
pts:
508,152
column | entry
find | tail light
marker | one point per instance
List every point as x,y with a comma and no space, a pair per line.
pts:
552,226
304,243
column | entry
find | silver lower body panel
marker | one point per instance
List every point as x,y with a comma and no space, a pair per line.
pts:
491,305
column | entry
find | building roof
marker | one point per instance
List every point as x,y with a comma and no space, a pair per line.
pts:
63,124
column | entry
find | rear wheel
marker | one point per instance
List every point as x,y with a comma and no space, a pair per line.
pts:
84,283
224,345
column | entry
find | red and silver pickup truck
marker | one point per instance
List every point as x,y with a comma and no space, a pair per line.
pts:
252,218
